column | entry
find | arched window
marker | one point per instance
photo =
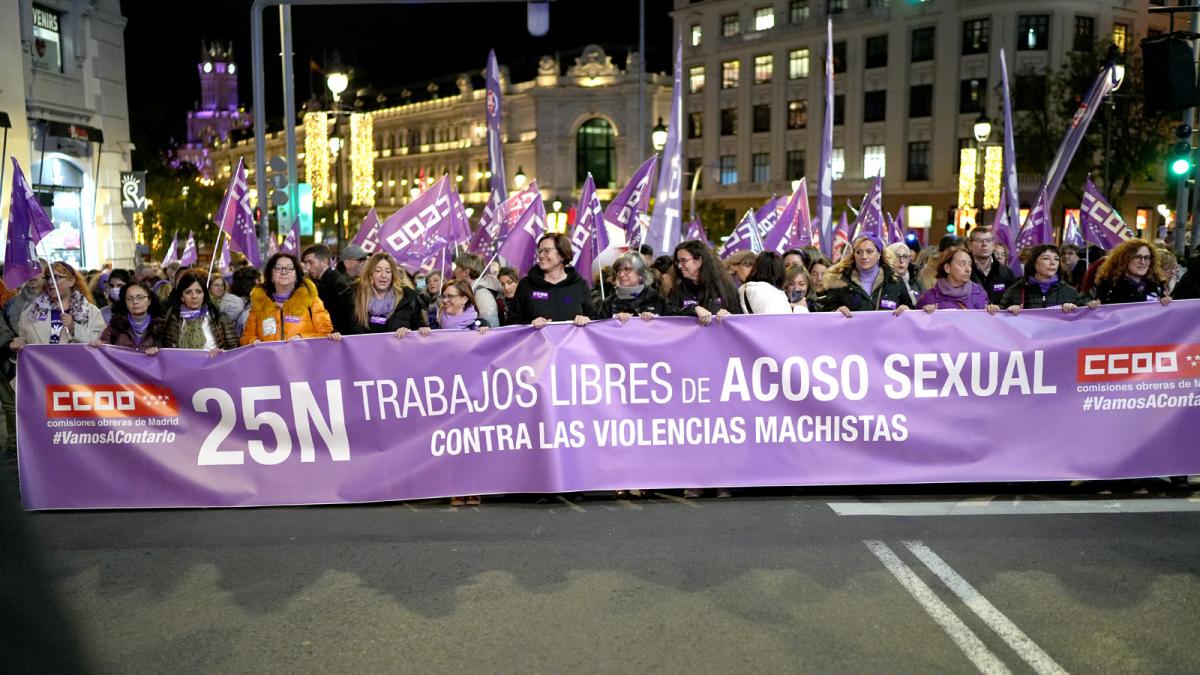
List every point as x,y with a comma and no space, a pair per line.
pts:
596,152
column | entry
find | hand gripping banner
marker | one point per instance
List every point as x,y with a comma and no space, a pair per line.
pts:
947,397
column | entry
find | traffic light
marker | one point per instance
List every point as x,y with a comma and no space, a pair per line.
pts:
1181,152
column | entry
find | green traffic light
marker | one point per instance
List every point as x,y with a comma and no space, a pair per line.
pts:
1180,166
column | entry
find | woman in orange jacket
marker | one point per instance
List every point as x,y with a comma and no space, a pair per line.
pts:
286,306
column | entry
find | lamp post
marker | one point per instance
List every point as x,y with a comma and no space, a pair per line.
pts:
658,136
519,178
982,130
337,81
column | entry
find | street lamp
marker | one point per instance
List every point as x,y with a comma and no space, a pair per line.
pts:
520,178
337,81
658,136
983,128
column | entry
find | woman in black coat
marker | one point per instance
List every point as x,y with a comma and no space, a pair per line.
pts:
383,303
633,293
1131,273
1041,288
864,282
552,291
702,288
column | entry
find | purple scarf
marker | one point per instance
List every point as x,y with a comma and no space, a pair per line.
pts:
1044,286
138,328
867,278
466,319
192,314
382,306
944,287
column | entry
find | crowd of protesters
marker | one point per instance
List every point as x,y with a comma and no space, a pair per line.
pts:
315,295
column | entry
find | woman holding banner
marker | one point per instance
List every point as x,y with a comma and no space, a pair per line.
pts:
553,290
469,267
762,290
508,278
383,302
954,288
633,292
798,286
1131,273
702,288
287,306
137,320
1040,288
905,271
62,313
193,320
864,281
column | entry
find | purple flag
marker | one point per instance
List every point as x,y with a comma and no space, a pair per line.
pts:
190,255
170,256
424,227
665,225
224,264
1037,229
695,231
27,225
1071,233
291,242
896,226
792,229
368,234
825,177
492,112
1104,84
1013,209
585,238
626,211
520,246
237,218
841,237
752,225
1004,233
490,230
1102,225
870,214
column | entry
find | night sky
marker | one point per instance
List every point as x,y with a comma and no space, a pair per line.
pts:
388,47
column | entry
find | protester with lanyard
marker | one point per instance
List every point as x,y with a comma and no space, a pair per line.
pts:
762,292
954,288
633,292
1131,273
1040,288
552,291
905,271
986,271
193,320
383,302
62,313
702,288
137,320
287,306
863,281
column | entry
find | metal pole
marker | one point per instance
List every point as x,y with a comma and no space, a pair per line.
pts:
289,106
695,184
641,130
337,194
1181,198
260,121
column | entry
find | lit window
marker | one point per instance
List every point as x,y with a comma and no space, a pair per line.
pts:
1120,36
47,51
764,18
797,64
697,35
695,79
730,25
874,161
728,169
797,117
731,72
764,65
839,163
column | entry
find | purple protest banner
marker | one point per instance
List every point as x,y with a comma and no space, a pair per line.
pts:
1071,233
870,214
1004,236
27,225
492,111
291,241
489,233
627,211
696,231
793,228
170,257
825,175
1013,206
520,246
841,237
420,230
1102,225
367,236
1104,84
665,225
190,255
1038,228
585,237
601,407
237,218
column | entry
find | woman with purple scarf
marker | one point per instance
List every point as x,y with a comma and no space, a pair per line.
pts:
954,288
194,322
1041,288
137,320
864,281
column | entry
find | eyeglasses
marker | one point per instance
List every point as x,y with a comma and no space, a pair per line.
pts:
286,270
623,270
545,252
983,240
136,298
1141,258
685,261
448,297
904,257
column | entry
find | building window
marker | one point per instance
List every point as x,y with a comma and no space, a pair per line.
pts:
837,6
760,163
797,11
922,44
596,153
795,165
47,40
1030,92
695,125
797,64
1033,32
975,36
920,100
918,160
838,163
839,110
764,18
693,165
839,57
731,72
797,117
695,79
729,121
762,118
697,35
972,95
1120,36
730,25
877,48
728,164
874,106
874,161
764,65
1085,34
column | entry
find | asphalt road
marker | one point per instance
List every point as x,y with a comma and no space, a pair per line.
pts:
764,582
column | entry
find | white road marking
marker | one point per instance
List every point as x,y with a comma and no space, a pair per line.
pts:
571,505
1026,648
1016,507
628,505
970,644
681,500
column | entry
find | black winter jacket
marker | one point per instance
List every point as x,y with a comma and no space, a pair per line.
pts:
1189,286
888,293
687,297
562,301
408,314
647,301
1027,295
1123,289
998,279
336,294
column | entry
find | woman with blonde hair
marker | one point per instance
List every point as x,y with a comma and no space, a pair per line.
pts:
383,301
864,281
63,312
1131,273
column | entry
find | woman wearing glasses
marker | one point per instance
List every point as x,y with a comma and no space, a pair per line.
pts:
553,290
384,302
864,281
633,292
903,257
286,306
45,322
193,320
137,320
456,310
1131,273
702,287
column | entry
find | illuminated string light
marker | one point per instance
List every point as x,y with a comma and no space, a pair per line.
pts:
966,178
362,159
993,169
316,157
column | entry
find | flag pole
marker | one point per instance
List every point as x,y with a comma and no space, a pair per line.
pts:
216,251
54,282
